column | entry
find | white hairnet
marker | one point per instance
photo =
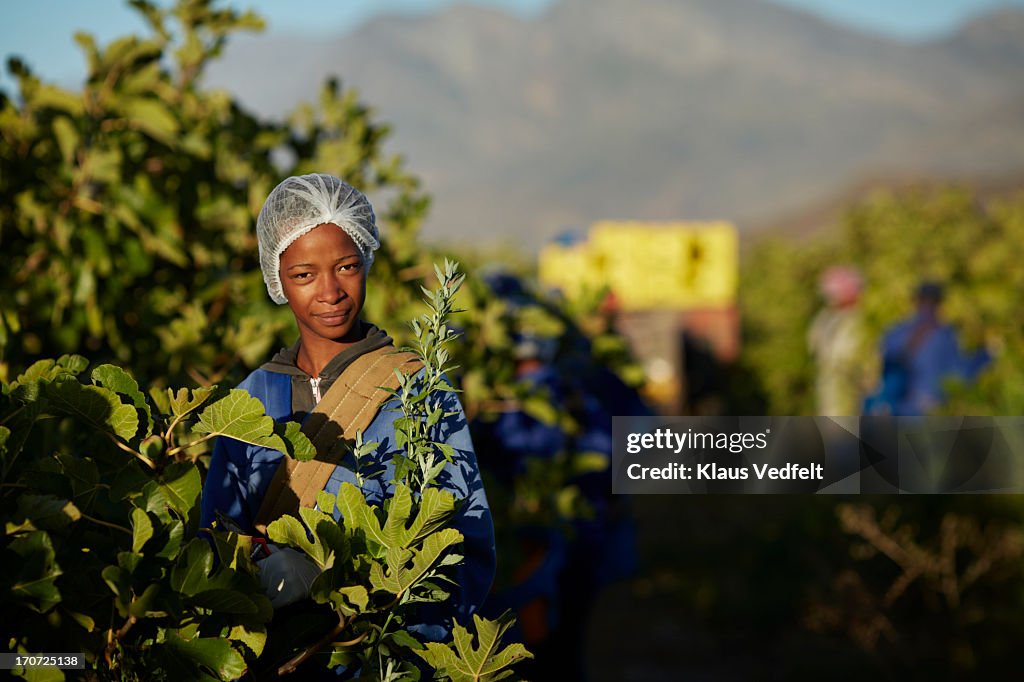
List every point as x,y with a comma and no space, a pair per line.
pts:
299,204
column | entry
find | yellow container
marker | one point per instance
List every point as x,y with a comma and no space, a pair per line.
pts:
649,265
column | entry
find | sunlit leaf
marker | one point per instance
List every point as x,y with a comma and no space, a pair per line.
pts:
95,406
120,381
479,658
210,652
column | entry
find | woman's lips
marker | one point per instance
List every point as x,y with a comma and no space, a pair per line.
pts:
333,319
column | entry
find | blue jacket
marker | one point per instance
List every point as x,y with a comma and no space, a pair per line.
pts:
240,474
917,376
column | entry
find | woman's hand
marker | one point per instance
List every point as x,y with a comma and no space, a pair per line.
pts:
286,575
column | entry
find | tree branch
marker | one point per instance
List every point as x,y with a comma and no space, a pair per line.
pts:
138,455
306,653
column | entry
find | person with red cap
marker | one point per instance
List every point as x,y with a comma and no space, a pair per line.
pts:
836,341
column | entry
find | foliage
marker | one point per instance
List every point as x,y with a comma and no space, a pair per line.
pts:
126,210
164,279
177,604
932,584
484,662
897,240
126,207
926,594
100,482
379,565
424,458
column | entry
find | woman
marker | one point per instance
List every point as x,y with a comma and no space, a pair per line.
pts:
317,236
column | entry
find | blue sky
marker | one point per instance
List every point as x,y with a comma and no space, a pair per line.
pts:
40,31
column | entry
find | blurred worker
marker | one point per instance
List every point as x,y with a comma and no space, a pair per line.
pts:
560,564
836,341
918,354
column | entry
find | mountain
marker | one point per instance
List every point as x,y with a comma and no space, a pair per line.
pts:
654,109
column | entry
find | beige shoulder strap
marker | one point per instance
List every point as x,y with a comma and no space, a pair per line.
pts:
352,402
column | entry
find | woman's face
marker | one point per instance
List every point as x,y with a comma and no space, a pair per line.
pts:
323,276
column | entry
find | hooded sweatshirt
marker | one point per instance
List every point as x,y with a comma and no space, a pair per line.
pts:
306,390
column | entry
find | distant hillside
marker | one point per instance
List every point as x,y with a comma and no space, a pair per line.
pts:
828,212
655,109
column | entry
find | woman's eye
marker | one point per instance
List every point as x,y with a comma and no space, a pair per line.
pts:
302,276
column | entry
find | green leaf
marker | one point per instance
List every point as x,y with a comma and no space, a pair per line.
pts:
350,600
210,653
183,402
447,450
152,117
252,636
27,385
34,582
288,530
325,502
51,96
45,512
142,605
357,514
435,416
296,444
129,482
436,507
226,601
541,409
129,561
17,427
398,509
242,417
142,529
40,674
191,572
341,657
72,364
447,387
117,579
403,638
83,474
444,660
67,137
156,501
37,371
399,578
480,659
162,399
120,381
326,530
175,536
589,462
223,591
85,621
96,406
239,416
182,486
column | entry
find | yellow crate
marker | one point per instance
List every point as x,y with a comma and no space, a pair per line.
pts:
675,265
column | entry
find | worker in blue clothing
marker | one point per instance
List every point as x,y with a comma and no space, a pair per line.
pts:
563,566
918,355
317,236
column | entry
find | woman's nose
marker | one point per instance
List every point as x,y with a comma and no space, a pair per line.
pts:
331,290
